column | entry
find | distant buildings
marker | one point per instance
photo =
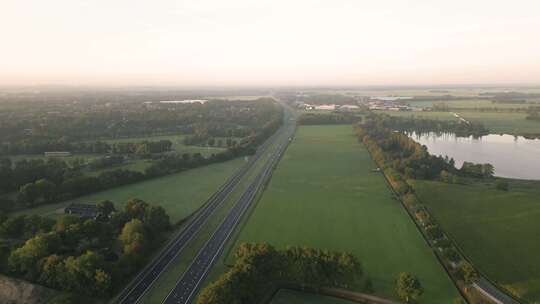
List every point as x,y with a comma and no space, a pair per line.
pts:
390,105
331,107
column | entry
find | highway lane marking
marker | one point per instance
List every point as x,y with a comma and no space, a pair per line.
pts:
216,199
233,218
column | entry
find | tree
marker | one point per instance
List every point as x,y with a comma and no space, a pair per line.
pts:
133,237
156,219
24,259
445,176
408,287
13,227
502,185
28,194
46,189
106,207
468,273
136,208
102,282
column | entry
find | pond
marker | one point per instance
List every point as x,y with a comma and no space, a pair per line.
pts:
512,156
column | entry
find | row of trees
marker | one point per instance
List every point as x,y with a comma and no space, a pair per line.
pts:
398,154
62,144
68,126
43,181
259,267
422,125
328,118
85,256
391,150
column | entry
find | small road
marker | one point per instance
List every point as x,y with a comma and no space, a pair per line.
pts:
493,292
190,282
144,280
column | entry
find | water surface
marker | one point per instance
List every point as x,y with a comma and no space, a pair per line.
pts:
512,156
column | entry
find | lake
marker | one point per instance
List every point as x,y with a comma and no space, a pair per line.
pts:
512,156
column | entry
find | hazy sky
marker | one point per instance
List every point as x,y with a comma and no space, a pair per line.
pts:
269,42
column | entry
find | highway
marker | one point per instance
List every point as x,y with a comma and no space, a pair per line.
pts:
190,282
144,280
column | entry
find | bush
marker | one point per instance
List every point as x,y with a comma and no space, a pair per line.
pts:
501,185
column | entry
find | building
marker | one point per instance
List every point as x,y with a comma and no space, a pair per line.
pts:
57,154
349,107
326,107
83,210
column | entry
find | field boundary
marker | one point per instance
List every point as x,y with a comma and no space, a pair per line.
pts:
435,251
354,296
232,242
420,230
466,257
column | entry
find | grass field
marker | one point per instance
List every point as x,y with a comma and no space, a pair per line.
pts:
285,296
509,123
470,104
180,194
168,279
177,144
498,230
497,123
425,115
324,195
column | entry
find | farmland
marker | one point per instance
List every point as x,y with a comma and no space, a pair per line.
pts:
471,104
496,122
178,145
180,194
492,226
424,115
509,123
341,204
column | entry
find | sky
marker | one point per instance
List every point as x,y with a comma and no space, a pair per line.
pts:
269,42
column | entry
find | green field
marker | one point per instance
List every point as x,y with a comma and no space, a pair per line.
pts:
509,123
496,122
470,104
177,144
325,195
285,296
424,115
498,230
180,194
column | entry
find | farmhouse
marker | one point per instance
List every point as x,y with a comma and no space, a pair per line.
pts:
83,210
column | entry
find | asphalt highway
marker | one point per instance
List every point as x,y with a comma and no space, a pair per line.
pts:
144,280
190,282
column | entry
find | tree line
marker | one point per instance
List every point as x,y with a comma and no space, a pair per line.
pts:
98,147
398,154
84,256
259,267
327,118
40,181
423,125
401,158
73,126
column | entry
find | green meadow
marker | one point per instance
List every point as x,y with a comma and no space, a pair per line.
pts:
423,115
180,194
498,230
324,194
509,123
